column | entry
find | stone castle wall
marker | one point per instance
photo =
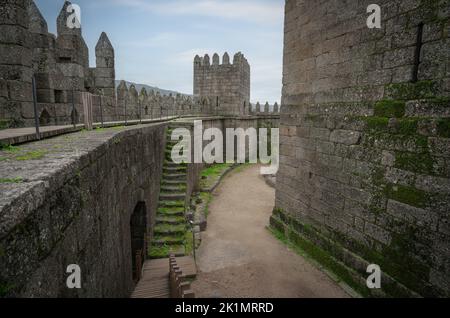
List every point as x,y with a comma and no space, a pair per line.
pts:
225,87
59,64
365,176
77,210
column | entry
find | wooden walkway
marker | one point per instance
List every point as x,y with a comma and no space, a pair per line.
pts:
155,277
14,136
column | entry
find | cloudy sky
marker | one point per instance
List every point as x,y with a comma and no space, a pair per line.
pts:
156,40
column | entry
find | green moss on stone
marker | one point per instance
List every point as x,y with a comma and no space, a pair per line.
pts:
4,124
407,126
412,91
420,163
408,195
443,127
304,247
390,108
377,123
31,155
5,289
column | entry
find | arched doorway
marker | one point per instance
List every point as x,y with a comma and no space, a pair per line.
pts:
138,228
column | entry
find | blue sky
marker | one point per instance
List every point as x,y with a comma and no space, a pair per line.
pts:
155,41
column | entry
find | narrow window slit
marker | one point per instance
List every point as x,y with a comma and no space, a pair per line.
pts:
417,61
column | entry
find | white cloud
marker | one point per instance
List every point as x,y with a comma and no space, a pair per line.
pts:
248,10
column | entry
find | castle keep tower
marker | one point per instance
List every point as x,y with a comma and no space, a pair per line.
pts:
225,86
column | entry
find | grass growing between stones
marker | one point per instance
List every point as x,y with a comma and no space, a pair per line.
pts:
159,251
211,175
31,155
11,180
206,198
20,154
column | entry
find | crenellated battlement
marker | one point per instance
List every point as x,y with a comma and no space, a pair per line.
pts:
239,60
225,84
267,109
59,64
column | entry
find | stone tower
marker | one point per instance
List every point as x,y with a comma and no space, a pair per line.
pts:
226,86
71,53
364,172
15,63
104,73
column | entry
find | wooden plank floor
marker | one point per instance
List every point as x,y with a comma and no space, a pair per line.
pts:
155,277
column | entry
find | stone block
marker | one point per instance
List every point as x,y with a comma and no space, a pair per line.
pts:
346,137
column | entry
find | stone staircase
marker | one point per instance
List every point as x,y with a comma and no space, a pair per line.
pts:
171,233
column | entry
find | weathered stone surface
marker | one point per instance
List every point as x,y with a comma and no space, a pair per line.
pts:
223,88
75,209
369,133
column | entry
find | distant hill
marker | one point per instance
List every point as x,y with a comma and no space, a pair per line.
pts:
163,92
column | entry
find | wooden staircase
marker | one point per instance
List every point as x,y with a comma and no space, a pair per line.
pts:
155,282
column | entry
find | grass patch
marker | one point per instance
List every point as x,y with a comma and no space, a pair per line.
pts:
171,210
31,155
165,228
10,149
206,198
11,180
188,243
215,170
159,251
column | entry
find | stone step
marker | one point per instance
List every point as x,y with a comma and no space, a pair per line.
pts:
170,163
168,240
175,169
172,204
174,176
178,212
173,188
174,183
171,220
175,196
164,252
169,230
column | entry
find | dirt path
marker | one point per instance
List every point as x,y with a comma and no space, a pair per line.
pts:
240,258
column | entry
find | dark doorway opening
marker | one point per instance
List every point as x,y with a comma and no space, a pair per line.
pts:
45,118
138,228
